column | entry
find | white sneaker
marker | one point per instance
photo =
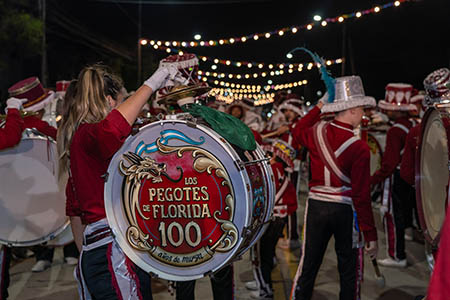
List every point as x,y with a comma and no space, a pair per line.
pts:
251,285
389,262
41,265
71,261
261,295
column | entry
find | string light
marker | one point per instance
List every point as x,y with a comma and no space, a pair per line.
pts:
294,67
282,31
240,89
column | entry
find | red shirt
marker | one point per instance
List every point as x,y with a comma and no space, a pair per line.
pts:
407,166
395,142
72,204
41,126
92,148
354,162
439,288
11,134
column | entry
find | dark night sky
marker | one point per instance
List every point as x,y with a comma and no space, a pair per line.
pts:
400,44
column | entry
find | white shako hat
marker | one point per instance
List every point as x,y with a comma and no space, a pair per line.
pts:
293,104
398,97
349,93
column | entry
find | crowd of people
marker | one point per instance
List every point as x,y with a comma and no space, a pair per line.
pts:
97,116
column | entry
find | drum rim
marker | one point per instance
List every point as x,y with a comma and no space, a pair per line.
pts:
39,241
418,174
54,234
232,255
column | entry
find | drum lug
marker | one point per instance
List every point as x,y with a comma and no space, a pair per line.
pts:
191,124
239,165
246,232
207,273
105,176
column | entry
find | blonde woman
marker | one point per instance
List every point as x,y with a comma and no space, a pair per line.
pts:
95,127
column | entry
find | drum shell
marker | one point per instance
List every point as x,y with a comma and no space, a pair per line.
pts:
250,228
432,202
32,198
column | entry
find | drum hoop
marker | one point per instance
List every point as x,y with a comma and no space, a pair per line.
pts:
39,241
420,209
132,254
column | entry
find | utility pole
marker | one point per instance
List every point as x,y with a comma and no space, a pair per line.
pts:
344,49
44,77
139,74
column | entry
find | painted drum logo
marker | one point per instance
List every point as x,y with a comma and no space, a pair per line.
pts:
178,200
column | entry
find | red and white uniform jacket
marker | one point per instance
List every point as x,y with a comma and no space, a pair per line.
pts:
408,163
353,158
286,196
395,143
11,133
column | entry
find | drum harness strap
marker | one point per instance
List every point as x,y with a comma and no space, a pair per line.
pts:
280,210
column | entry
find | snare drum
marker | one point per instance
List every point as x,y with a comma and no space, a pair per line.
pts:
432,174
32,200
182,202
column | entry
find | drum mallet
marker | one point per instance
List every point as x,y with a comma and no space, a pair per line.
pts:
381,282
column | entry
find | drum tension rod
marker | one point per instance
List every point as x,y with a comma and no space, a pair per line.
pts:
105,176
247,163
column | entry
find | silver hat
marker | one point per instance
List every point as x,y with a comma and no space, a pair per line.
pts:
349,93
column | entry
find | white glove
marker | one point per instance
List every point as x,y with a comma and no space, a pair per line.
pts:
160,77
14,103
324,98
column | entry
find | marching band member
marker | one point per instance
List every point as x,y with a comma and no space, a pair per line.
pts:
36,99
243,110
339,202
10,135
395,191
407,168
95,129
285,204
292,109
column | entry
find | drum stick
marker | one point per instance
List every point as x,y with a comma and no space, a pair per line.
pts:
270,134
381,282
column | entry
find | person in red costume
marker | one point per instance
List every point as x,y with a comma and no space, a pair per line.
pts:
87,140
10,135
339,202
285,203
396,191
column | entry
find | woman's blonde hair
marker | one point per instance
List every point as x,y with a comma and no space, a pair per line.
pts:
85,102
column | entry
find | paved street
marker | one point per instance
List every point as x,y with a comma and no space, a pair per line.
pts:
401,284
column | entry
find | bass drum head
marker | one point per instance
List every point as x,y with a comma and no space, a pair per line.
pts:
376,154
433,174
32,200
180,203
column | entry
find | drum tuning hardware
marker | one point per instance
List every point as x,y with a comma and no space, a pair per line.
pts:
239,165
207,273
191,123
255,161
246,231
105,176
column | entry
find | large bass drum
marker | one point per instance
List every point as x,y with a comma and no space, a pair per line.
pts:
432,175
182,202
32,200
